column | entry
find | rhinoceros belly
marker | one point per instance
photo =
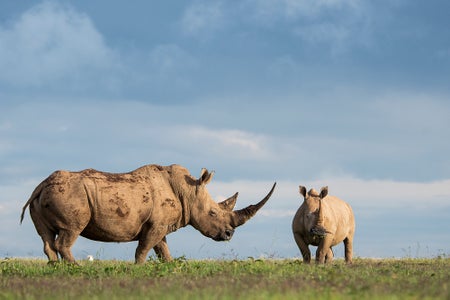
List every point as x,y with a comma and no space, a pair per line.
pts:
116,220
110,228
99,234
118,210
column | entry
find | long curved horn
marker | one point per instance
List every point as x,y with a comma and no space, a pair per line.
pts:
243,215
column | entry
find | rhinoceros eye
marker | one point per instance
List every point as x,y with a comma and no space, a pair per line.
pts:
212,213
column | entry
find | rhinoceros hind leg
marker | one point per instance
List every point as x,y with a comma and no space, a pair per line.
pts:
49,247
162,250
348,244
64,242
47,236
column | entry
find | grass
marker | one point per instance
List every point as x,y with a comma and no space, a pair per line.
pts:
226,279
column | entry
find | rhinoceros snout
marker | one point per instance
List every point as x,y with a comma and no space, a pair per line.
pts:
318,231
224,236
229,234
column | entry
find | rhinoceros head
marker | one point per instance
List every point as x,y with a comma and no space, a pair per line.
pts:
218,220
314,217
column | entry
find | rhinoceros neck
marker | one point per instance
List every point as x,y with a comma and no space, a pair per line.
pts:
186,213
174,176
183,195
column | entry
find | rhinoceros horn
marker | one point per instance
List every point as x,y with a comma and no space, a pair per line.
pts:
323,194
243,215
319,228
320,217
229,203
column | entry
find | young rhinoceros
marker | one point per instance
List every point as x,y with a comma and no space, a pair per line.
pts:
323,221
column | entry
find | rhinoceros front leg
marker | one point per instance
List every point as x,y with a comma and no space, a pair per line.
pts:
324,250
151,236
306,253
162,250
329,256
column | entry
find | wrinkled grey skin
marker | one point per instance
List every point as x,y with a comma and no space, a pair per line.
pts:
143,205
323,221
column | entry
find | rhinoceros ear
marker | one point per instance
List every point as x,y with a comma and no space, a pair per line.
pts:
229,203
205,177
323,192
302,190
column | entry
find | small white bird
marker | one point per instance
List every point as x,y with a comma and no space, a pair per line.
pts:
90,258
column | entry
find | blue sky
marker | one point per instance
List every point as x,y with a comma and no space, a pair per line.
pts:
350,94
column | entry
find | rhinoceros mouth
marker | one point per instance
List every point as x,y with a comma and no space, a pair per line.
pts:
224,236
319,231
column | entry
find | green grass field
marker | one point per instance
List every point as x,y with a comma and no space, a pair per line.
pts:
227,279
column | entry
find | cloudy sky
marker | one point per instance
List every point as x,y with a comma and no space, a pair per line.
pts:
353,94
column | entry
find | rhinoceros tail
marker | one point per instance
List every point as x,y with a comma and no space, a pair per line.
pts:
37,191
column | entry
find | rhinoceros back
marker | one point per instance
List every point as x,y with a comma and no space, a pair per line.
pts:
104,206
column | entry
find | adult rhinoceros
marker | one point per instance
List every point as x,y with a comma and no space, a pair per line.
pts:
143,205
323,221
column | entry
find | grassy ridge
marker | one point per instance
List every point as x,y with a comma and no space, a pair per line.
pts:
224,279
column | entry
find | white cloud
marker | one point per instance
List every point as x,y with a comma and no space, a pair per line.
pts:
336,24
203,18
229,142
335,34
416,113
283,67
231,138
170,67
52,42
387,193
293,9
5,146
372,196
15,195
169,57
